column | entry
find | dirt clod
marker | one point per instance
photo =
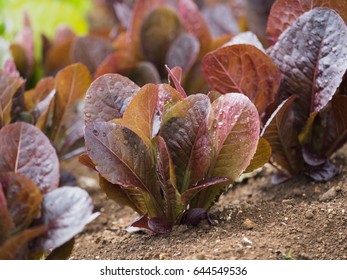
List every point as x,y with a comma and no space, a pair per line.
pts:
248,224
329,195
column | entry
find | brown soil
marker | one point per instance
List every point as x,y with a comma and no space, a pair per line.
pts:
299,219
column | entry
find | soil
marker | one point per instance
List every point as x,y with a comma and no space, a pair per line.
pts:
298,219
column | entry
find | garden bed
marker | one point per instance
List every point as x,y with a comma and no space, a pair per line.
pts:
299,219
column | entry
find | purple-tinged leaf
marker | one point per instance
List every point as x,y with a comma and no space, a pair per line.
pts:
6,224
284,13
234,126
25,149
279,178
220,20
9,84
23,199
91,51
195,216
71,84
140,116
176,82
73,143
159,225
282,135
173,206
311,55
108,97
10,250
244,69
144,113
65,211
335,134
158,31
195,24
184,130
115,151
323,172
42,109
156,224
140,11
311,158
248,38
122,196
183,52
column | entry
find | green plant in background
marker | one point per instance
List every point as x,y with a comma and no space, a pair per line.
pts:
44,17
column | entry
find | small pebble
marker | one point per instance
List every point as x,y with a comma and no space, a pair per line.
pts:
309,214
329,195
246,242
248,224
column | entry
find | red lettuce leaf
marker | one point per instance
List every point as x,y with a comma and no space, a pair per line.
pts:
323,172
108,97
65,212
71,84
23,199
9,84
234,125
173,77
144,113
173,206
158,31
311,55
281,133
91,51
115,151
182,129
140,11
194,22
195,216
284,13
25,149
244,69
220,20
183,52
335,134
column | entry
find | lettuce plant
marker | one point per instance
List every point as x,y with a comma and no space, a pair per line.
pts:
161,32
297,84
165,155
309,126
38,218
54,105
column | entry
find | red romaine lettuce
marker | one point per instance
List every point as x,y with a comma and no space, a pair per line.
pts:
309,126
36,216
167,155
